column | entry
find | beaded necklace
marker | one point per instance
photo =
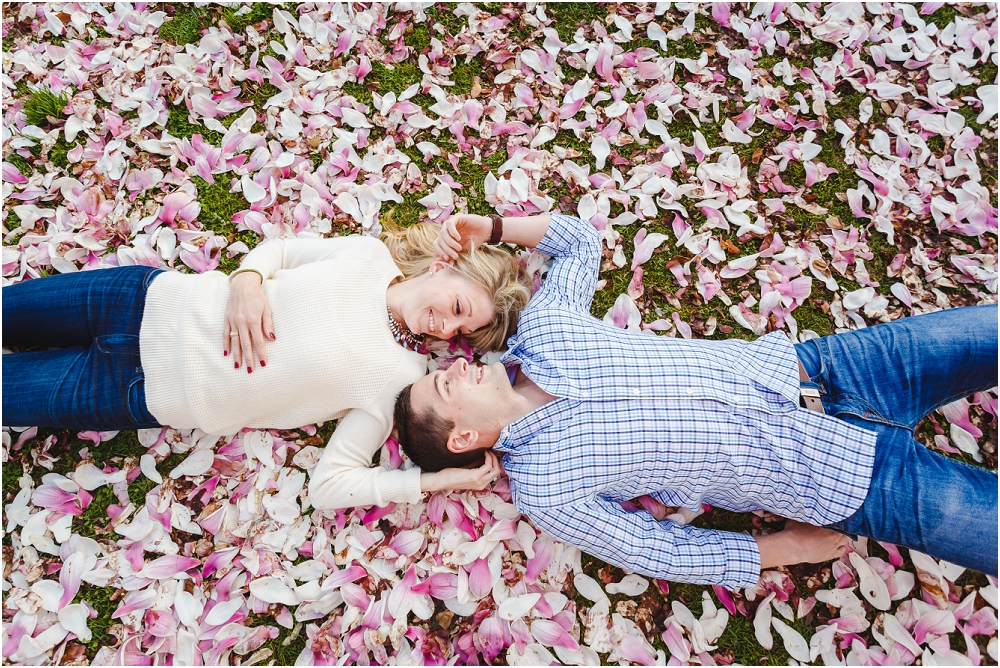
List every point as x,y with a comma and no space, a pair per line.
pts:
402,333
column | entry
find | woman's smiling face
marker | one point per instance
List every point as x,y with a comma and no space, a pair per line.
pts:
446,304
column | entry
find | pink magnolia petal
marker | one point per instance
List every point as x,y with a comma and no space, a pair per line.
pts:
480,578
544,550
551,634
634,650
168,566
135,600
407,543
70,576
345,575
401,597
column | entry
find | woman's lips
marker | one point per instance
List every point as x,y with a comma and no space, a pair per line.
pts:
430,321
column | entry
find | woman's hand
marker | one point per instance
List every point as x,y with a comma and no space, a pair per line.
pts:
248,316
458,479
461,232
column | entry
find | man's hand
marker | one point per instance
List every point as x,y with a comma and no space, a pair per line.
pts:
461,232
474,478
248,315
800,543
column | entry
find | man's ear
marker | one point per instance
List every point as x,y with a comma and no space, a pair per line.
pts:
463,441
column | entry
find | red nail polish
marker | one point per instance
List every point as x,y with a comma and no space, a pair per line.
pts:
225,353
236,365
263,363
272,336
249,369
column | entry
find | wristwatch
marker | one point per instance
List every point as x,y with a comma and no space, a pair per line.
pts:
497,229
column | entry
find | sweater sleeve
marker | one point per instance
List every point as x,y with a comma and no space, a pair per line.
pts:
270,257
344,476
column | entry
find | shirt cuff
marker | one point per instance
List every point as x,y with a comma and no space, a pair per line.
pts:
564,233
742,561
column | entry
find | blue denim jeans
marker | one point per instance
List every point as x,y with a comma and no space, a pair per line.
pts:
887,379
91,376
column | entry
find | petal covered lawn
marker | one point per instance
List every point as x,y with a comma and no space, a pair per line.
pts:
810,168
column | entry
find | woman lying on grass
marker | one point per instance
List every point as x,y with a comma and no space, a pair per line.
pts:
307,330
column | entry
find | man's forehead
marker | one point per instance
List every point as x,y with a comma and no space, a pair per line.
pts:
423,394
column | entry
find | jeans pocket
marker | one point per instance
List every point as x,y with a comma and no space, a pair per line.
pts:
852,404
135,403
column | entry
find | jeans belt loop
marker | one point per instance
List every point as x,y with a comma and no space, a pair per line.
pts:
809,397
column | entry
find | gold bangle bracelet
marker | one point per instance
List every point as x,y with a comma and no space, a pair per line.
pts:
246,271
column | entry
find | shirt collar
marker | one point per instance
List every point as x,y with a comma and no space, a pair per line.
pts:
515,436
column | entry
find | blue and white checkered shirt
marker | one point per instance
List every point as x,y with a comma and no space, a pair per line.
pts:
684,421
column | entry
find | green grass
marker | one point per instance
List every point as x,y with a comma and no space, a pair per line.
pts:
287,646
259,11
186,24
179,125
42,105
100,598
218,206
57,154
418,38
95,516
567,16
125,444
395,78
12,472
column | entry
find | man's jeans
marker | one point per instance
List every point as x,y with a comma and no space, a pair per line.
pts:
91,378
886,379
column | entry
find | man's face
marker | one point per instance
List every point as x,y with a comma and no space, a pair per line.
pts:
470,397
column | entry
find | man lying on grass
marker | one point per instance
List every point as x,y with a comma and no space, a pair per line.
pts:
588,415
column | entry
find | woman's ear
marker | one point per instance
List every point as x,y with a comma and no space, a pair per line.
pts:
437,265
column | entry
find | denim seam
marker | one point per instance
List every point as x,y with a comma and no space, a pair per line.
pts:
822,378
54,397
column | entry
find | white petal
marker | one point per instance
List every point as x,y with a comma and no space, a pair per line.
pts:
631,585
74,619
251,191
873,588
587,587
516,607
50,591
197,463
795,644
273,590
601,150
762,623
147,463
855,300
90,477
221,613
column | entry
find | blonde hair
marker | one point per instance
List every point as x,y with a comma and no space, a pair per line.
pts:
496,270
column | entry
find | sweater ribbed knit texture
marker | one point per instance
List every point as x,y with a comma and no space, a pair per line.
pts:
333,357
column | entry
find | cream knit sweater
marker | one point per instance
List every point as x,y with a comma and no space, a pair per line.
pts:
334,357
